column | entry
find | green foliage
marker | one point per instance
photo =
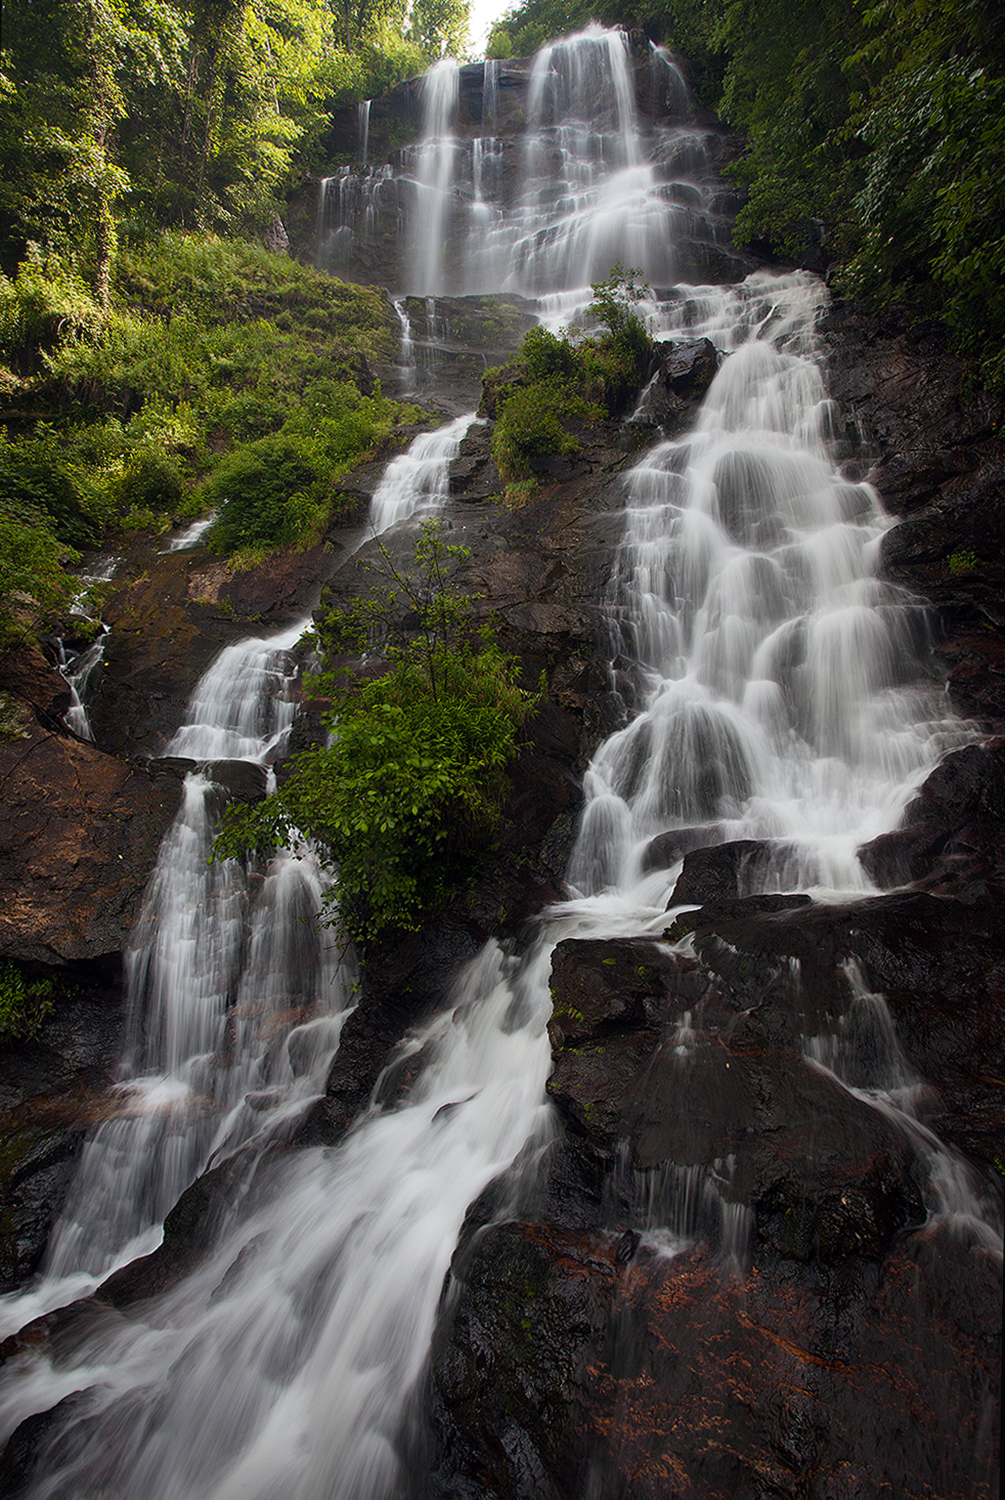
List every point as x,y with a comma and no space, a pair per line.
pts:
560,382
24,1003
278,490
209,345
32,577
963,561
45,306
410,790
41,478
534,425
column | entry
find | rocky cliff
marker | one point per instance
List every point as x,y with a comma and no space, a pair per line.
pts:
820,1315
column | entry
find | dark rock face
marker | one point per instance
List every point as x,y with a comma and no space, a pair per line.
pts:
79,833
585,1354
937,458
52,1087
567,1372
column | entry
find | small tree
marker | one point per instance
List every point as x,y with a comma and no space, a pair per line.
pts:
410,790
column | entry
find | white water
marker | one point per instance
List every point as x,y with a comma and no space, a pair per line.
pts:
775,680
434,166
76,670
595,184
416,481
192,535
235,995
779,679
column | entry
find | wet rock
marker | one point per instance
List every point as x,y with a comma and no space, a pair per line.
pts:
243,780
958,812
688,369
565,1373
608,985
52,1087
663,852
936,452
28,680
711,873
731,909
79,834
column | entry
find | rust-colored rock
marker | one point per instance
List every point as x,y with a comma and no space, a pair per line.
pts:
79,834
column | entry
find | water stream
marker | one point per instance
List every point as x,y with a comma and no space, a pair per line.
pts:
776,693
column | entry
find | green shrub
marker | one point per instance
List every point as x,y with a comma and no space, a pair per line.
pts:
278,491
255,489
40,475
410,790
533,427
153,482
46,306
24,1003
33,582
554,383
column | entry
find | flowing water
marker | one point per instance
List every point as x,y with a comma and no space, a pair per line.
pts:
775,691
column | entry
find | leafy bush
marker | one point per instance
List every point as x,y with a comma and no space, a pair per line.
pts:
411,788
262,490
41,476
194,363
45,306
152,481
32,577
278,491
533,427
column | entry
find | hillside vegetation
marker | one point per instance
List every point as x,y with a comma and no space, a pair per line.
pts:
220,377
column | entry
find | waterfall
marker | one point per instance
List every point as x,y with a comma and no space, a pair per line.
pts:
235,995
777,696
76,669
417,480
594,183
364,130
434,159
779,676
407,348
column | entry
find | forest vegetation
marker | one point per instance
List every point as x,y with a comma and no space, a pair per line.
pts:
152,352
408,792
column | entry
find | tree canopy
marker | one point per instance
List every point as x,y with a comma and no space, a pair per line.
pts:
135,114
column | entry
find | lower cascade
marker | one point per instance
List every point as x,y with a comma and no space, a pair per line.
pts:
777,716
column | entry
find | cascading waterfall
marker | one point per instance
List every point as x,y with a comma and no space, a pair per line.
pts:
434,161
234,998
777,693
77,669
779,676
417,481
594,183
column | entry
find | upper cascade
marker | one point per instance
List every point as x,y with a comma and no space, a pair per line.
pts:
535,179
